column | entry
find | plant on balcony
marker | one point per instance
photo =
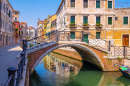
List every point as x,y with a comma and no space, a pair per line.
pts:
85,24
72,24
16,30
98,24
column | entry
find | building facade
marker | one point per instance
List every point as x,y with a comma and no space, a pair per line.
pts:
6,23
23,30
31,32
97,17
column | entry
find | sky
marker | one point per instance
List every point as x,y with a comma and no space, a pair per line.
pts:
31,10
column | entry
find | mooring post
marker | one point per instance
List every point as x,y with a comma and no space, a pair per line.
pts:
109,46
56,36
124,52
82,35
11,71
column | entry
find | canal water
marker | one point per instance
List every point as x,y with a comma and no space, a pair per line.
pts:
58,70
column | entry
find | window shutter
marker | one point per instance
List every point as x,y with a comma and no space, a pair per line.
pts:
109,4
85,3
85,20
125,20
97,4
97,35
72,19
97,20
109,20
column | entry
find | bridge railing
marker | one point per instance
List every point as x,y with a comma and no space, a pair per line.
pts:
15,73
80,36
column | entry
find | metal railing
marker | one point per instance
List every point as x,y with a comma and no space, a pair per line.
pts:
15,73
121,51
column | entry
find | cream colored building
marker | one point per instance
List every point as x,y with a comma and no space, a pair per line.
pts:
97,17
6,23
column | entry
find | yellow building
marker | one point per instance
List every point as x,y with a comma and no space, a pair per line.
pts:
97,17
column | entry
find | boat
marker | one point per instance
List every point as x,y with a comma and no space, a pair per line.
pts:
124,80
124,70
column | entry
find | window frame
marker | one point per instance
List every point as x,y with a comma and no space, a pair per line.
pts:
108,3
107,20
96,19
128,20
96,4
70,19
83,19
83,4
74,4
96,35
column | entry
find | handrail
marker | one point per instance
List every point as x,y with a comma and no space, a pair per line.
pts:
9,79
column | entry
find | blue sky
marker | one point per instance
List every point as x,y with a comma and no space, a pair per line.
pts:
31,10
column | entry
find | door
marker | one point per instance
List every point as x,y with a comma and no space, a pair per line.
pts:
72,35
125,40
85,38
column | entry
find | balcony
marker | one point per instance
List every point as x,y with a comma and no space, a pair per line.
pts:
85,26
98,26
72,25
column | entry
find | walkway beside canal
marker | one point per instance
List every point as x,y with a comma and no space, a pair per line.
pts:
8,58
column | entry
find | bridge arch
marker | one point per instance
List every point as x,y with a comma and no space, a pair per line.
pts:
86,54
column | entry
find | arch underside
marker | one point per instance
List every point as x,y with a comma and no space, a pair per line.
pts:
86,54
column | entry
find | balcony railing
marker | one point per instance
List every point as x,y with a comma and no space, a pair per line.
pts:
98,25
85,26
72,25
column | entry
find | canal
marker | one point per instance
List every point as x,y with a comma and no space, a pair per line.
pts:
58,70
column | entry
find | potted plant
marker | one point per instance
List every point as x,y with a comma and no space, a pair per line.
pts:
98,24
72,24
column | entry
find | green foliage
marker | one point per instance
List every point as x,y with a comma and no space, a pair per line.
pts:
98,24
85,24
119,58
30,45
72,24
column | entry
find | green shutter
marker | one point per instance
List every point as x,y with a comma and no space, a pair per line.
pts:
109,4
97,4
85,20
125,20
97,20
72,35
85,38
97,35
72,19
109,20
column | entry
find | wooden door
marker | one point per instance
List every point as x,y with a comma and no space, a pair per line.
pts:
125,40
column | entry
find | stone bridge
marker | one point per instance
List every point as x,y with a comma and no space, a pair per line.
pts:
98,57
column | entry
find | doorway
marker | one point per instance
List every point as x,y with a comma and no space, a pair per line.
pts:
85,38
125,40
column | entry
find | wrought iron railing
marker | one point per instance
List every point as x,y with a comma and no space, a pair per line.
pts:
15,73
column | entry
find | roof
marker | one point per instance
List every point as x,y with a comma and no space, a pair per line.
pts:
59,6
31,27
16,11
21,23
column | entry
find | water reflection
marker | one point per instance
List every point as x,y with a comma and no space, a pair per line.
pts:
57,70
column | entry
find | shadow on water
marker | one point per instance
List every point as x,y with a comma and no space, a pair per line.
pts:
53,71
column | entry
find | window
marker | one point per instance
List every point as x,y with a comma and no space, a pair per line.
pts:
72,3
109,4
97,20
16,18
116,18
97,35
72,35
109,20
85,3
72,19
85,20
125,20
97,4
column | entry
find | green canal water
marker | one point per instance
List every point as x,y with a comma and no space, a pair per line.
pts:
57,70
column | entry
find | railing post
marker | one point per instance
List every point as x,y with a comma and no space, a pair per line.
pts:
82,35
124,52
56,36
109,46
24,45
68,37
11,71
23,56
